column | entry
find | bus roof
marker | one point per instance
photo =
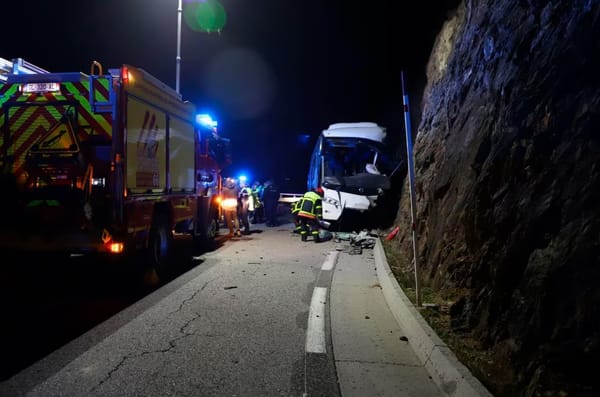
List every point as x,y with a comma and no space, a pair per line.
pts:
364,130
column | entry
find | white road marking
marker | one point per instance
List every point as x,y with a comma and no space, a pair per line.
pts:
315,333
330,261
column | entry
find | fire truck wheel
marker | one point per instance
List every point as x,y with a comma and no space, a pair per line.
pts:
211,229
159,247
208,232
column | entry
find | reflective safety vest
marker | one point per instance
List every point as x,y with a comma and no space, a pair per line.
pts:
259,193
229,199
256,198
247,198
295,208
310,205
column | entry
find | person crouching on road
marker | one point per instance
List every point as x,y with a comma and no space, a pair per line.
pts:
294,209
229,205
309,214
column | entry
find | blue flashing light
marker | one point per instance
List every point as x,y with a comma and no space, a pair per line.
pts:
303,139
206,120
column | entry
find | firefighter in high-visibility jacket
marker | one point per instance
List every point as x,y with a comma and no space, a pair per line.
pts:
310,213
229,205
294,209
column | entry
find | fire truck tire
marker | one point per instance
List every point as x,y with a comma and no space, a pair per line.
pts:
211,229
207,234
160,247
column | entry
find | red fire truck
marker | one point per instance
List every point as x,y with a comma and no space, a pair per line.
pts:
108,164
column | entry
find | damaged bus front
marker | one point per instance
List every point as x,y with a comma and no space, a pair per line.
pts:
353,166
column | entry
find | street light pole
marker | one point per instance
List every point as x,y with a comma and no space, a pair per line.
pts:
178,58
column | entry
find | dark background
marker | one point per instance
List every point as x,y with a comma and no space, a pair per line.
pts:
278,73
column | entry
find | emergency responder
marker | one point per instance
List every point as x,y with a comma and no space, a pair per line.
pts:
229,205
310,213
245,206
295,208
259,207
271,200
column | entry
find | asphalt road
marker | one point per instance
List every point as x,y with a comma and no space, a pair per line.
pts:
233,322
48,301
263,314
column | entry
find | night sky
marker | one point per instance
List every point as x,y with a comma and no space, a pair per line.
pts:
278,70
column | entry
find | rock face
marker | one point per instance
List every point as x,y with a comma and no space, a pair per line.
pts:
507,184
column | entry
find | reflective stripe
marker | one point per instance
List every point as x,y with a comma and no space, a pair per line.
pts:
229,204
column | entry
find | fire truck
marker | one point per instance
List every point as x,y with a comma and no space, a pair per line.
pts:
105,164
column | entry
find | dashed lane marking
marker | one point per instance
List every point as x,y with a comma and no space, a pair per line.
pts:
315,334
330,261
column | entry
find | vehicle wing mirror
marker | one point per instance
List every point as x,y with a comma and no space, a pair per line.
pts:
205,178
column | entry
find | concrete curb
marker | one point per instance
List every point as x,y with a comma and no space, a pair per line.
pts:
451,376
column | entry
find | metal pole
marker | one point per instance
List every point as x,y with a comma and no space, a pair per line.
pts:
178,58
413,201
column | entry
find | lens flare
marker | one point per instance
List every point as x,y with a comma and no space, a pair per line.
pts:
204,15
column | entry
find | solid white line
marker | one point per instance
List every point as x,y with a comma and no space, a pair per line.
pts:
330,261
315,333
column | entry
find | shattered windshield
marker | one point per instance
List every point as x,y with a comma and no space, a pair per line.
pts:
348,157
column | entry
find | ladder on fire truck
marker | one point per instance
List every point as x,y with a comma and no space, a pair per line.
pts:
18,66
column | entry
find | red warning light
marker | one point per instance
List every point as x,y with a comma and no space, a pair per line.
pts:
125,75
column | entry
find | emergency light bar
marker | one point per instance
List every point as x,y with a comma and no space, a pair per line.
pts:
206,120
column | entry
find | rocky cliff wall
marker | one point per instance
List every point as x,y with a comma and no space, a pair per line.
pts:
507,177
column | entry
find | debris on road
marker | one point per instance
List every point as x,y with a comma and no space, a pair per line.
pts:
357,241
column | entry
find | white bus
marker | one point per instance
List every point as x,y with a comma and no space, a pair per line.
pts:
353,165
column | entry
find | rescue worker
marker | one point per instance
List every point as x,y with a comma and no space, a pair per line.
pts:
271,200
245,206
309,214
259,207
229,205
295,208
